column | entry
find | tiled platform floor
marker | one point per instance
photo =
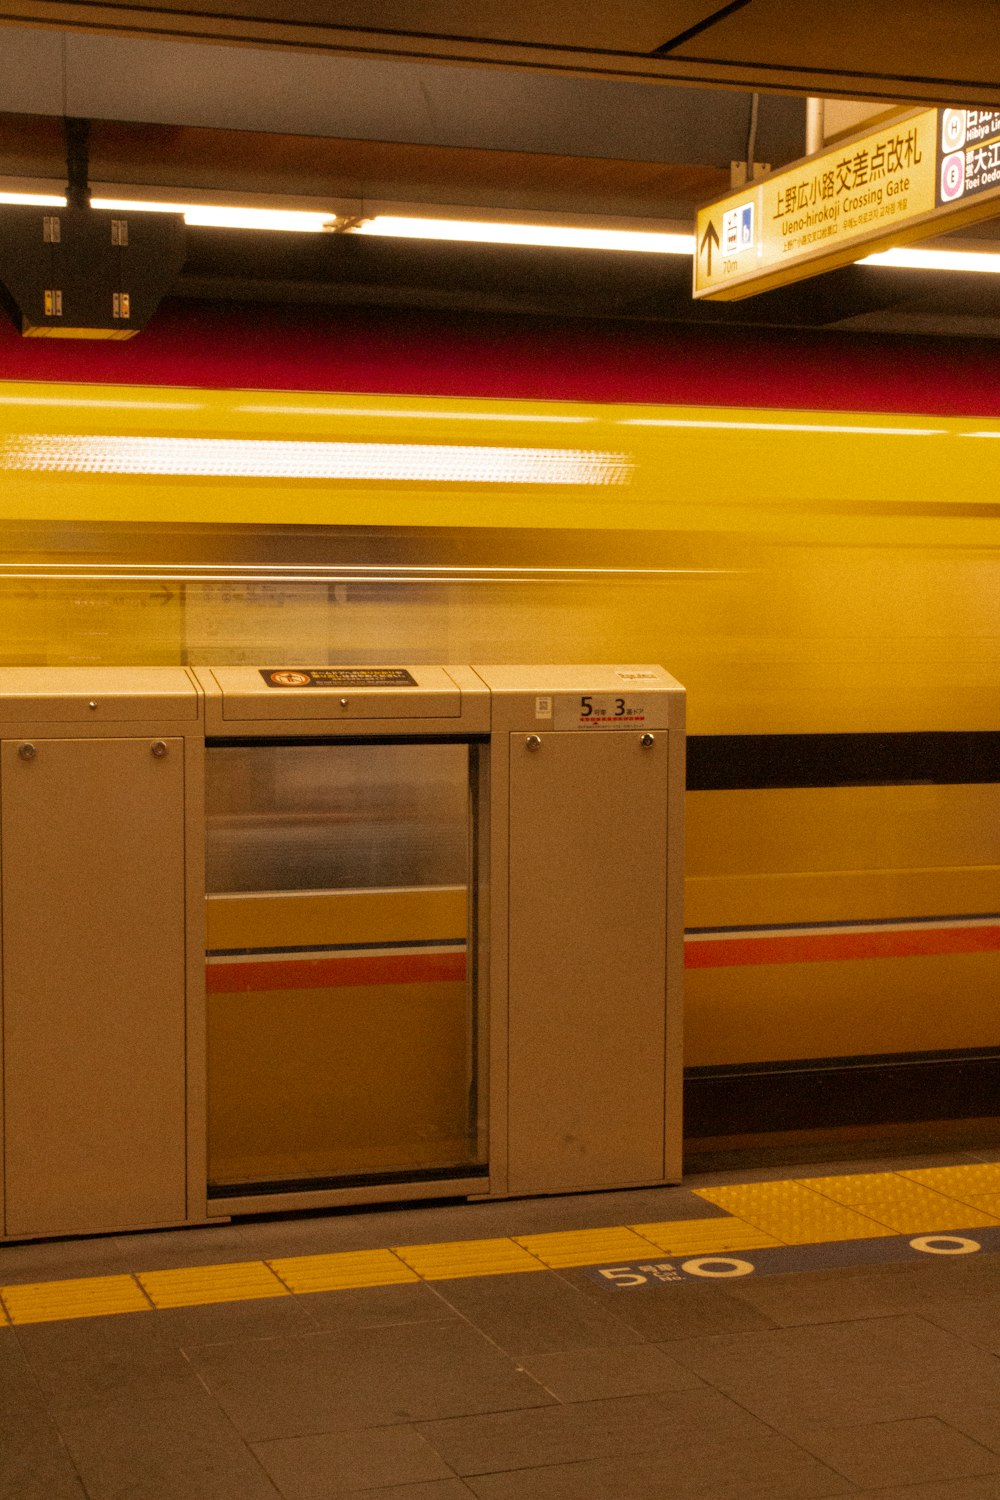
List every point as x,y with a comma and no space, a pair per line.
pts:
877,1378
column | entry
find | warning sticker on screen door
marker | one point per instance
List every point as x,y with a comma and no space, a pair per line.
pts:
337,677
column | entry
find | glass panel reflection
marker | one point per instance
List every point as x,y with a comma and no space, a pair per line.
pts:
341,1027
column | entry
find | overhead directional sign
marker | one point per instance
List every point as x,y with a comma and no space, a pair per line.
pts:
919,173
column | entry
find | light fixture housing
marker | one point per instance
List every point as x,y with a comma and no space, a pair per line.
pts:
84,273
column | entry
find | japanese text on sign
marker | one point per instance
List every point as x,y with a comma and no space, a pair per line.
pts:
918,173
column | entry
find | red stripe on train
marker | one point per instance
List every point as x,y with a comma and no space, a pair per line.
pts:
831,947
333,972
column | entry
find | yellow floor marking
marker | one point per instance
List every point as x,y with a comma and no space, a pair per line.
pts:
195,1285
85,1297
701,1236
467,1258
587,1247
989,1203
757,1215
348,1268
792,1213
972,1184
907,1207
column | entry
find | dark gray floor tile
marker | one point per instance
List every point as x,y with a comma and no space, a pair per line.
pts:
534,1314
372,1306
94,1359
969,1275
376,1228
975,1319
331,1464
227,1322
674,1310
594,1374
59,1260
34,1464
441,1489
690,1426
882,1369
266,1239
758,1466
352,1378
161,1450
19,1389
846,1292
199,1246
875,1455
946,1489
556,1434
977,1419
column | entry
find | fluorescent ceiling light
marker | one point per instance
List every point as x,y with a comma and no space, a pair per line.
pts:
219,216
199,215
244,458
936,260
476,231
392,226
34,200
552,235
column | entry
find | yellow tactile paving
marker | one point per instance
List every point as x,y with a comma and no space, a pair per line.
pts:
978,1185
467,1258
587,1247
794,1214
988,1202
347,1268
87,1297
194,1285
703,1236
904,1206
759,1215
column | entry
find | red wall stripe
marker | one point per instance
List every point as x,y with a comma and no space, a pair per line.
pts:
220,345
828,947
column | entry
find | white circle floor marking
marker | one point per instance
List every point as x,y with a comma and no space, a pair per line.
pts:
945,1244
715,1265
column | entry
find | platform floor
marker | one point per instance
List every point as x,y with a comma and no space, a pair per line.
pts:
759,1335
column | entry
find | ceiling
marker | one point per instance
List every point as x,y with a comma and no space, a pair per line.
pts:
328,109
899,49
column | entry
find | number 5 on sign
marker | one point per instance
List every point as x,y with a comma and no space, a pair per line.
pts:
623,1276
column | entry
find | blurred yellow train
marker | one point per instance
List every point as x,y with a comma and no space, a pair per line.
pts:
825,582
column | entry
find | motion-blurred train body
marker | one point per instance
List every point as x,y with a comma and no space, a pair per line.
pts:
806,533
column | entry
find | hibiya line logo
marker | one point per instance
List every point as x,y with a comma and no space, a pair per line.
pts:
970,153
